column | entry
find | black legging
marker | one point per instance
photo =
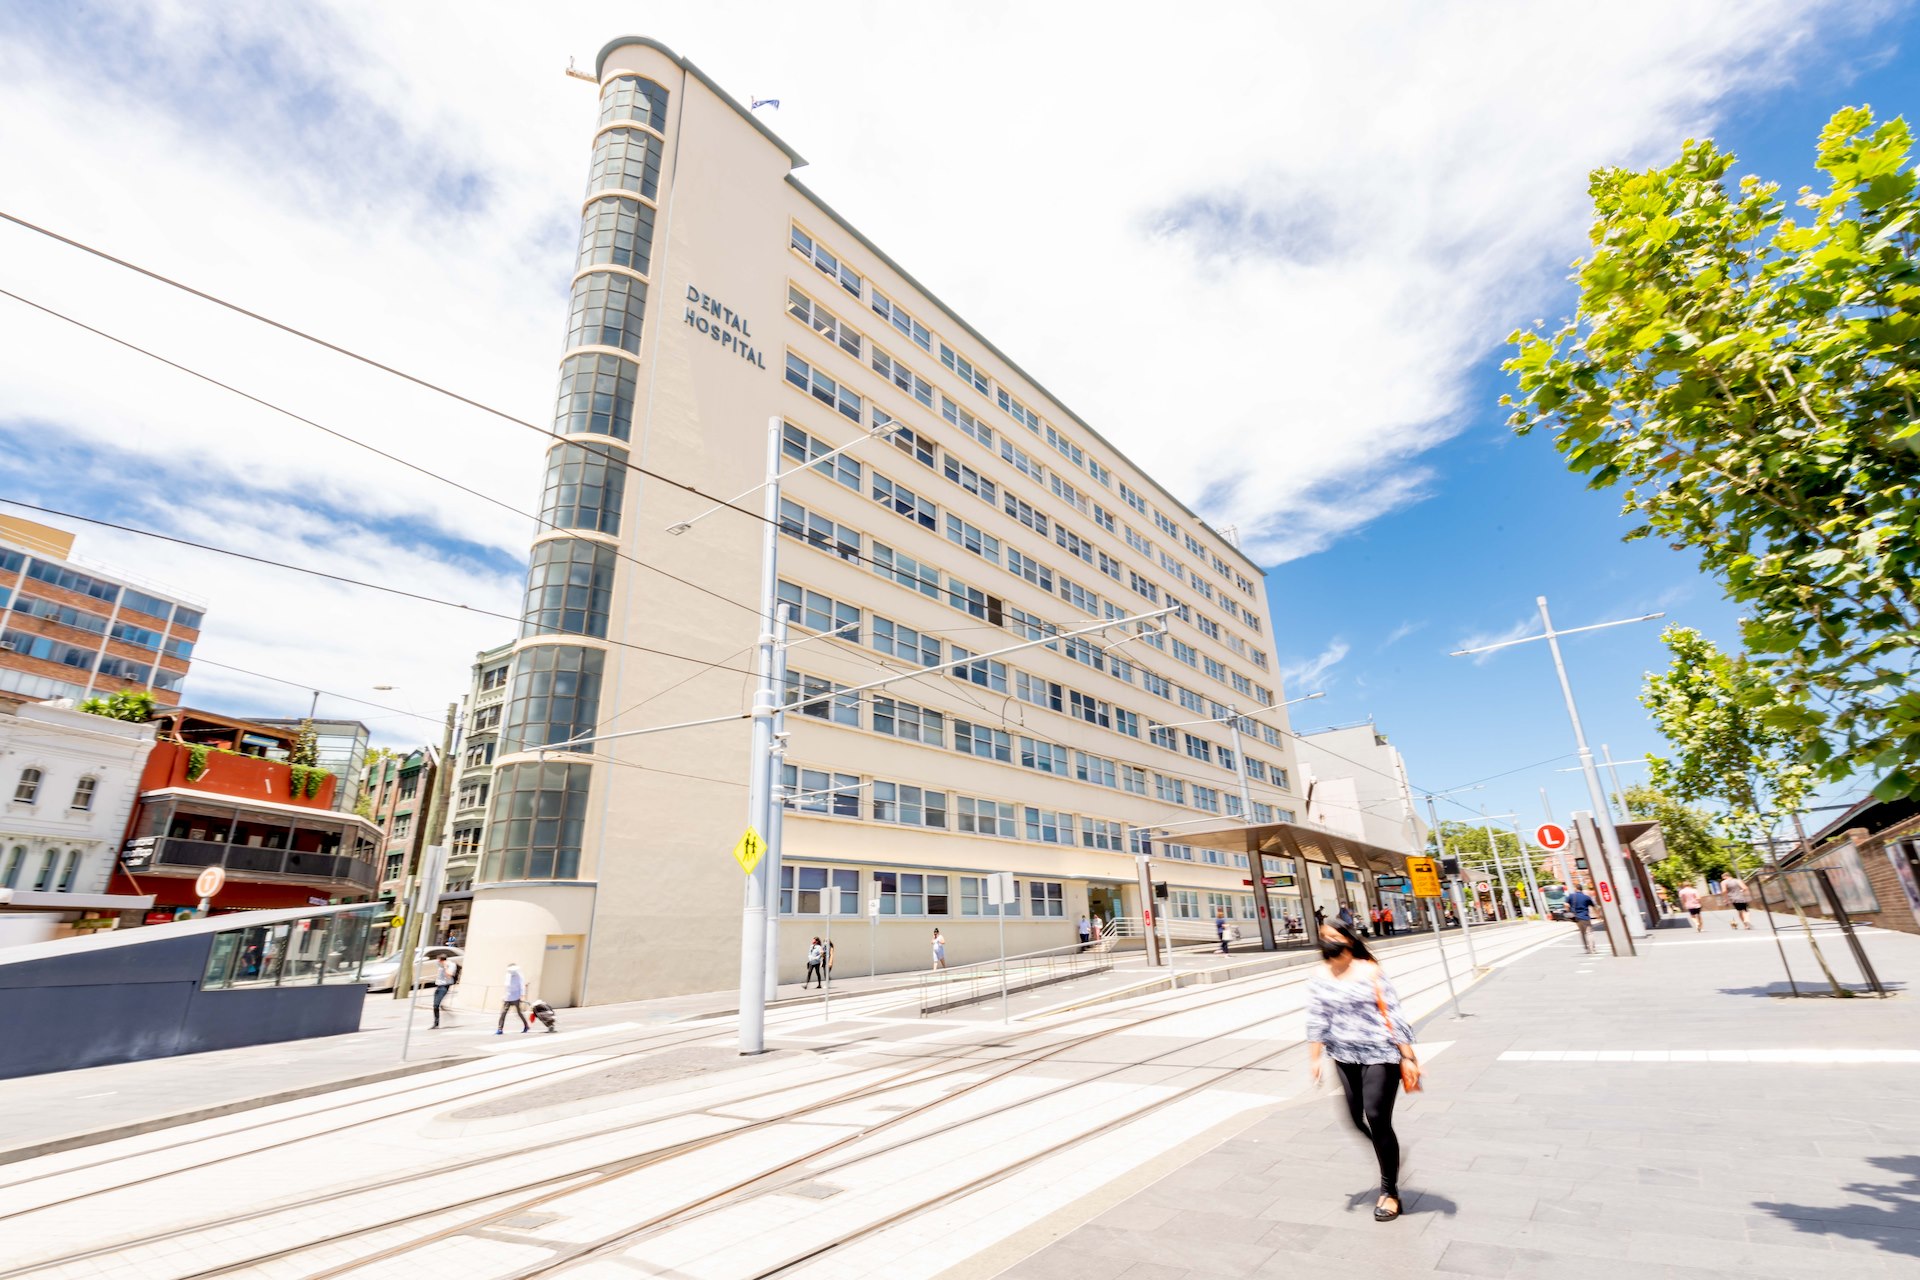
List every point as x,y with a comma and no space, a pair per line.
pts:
1371,1088
816,972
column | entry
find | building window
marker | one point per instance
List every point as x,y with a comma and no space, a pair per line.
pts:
801,447
988,673
909,893
64,614
964,367
902,377
911,806
54,575
890,311
535,827
1206,798
625,160
1043,757
967,423
972,481
1023,462
973,899
838,887
1133,779
984,545
904,642
817,791
819,613
979,740
1095,769
73,870
584,488
14,862
555,697
1017,411
1046,897
1024,566
1048,827
1097,833
473,794
616,233
824,389
985,817
1171,790
822,699
830,267
606,311
83,792
907,720
822,322
27,790
908,572
634,98
819,532
596,396
1200,749
486,718
43,882
569,588
904,502
493,679
1026,515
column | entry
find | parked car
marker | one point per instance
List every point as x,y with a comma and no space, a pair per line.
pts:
379,975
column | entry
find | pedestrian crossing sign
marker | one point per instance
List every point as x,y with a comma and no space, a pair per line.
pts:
747,852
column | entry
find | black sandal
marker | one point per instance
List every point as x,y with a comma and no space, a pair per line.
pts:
1383,1214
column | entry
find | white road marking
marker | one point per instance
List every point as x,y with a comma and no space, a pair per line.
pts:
1845,1057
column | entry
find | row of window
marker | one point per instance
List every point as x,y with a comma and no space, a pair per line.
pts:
914,506
43,880
58,575
970,375
27,789
810,790
805,890
81,658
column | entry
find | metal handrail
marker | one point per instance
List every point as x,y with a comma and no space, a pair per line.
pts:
966,984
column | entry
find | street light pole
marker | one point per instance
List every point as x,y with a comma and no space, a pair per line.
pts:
1466,931
755,925
1499,868
1611,856
1526,866
1255,858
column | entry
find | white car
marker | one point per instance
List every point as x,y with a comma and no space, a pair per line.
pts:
379,974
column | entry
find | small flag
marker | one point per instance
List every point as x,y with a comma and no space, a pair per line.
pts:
764,102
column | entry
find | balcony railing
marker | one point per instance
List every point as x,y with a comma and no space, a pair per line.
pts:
255,861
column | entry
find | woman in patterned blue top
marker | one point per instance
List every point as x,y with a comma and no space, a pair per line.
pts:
1346,1021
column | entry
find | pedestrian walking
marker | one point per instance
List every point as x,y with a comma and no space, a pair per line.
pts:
445,975
1739,897
829,959
1346,917
939,950
1580,910
1220,928
516,995
1354,1018
1690,903
1319,917
1086,933
816,965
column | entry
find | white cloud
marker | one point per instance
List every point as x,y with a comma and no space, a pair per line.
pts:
1311,674
1525,627
1261,258
1401,632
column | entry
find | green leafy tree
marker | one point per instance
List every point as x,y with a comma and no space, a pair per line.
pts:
1749,374
1468,841
306,746
1727,723
133,705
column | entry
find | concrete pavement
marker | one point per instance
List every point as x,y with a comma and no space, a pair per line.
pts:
1665,1116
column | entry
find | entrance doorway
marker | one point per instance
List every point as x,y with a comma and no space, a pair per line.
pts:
1103,903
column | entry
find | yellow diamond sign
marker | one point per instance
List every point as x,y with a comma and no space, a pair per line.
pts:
747,852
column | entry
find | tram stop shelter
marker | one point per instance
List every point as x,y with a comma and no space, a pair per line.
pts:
1309,867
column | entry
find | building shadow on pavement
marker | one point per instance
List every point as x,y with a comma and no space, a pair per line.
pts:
1887,1215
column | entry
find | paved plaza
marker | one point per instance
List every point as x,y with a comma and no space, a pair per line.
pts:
1666,1116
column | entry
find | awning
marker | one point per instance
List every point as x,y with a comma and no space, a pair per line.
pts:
1305,843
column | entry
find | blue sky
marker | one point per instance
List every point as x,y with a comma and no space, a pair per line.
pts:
1331,231
1505,521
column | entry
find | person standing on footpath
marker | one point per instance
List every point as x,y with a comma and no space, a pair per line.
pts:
1690,903
1354,1017
1086,933
515,999
446,973
1580,909
1739,897
939,950
816,965
1220,928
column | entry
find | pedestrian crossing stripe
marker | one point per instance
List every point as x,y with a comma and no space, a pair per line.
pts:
747,852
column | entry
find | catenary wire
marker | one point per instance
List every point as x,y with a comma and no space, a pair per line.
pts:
344,697
359,444
352,582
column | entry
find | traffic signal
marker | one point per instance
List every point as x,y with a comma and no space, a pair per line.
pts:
1160,891
1449,865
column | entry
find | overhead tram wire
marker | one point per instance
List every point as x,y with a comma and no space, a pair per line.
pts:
355,582
344,697
369,361
360,444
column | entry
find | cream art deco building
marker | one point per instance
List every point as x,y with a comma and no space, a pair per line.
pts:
714,292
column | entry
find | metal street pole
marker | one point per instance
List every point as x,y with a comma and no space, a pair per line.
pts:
827,896
754,960
1466,931
436,816
1619,792
1256,859
1609,839
776,809
1143,867
1499,868
1000,913
1526,866
1433,915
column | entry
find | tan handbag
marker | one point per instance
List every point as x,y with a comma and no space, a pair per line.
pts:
1409,1067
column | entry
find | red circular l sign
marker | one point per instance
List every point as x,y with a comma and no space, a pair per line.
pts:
1550,835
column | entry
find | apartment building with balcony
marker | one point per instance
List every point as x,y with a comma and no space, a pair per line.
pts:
720,307
399,788
73,629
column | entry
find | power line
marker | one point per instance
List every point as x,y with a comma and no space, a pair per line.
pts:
360,444
351,354
352,582
345,697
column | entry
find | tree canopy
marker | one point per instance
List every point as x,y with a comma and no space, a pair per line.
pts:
1749,375
135,705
